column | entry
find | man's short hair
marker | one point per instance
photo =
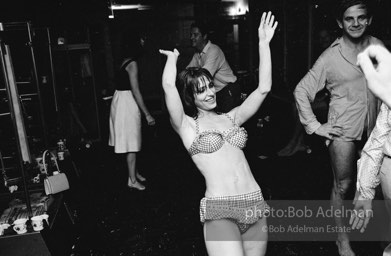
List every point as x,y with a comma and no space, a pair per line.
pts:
202,27
343,5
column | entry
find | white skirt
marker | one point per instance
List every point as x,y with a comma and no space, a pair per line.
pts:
125,123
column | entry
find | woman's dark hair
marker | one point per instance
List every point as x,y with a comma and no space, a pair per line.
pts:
345,4
131,46
188,82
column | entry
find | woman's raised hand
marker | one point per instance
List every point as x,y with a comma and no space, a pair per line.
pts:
169,72
174,53
267,27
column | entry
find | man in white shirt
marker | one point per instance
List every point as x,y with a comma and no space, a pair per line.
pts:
211,57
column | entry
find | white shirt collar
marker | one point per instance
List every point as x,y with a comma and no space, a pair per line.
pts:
206,48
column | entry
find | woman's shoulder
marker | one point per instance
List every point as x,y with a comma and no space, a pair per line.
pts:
126,61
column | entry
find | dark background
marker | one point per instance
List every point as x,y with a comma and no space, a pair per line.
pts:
294,47
167,23
163,220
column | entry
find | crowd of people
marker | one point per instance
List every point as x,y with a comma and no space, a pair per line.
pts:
205,110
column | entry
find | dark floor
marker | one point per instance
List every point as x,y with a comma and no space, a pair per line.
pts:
164,219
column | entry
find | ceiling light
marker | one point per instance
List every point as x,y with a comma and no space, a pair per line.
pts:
130,7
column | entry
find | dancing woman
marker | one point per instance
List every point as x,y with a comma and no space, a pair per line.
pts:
215,142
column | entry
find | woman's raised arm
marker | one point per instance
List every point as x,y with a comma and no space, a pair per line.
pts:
251,105
172,98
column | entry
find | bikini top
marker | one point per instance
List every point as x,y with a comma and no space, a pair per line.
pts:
210,141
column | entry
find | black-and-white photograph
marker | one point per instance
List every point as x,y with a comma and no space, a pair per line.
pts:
195,128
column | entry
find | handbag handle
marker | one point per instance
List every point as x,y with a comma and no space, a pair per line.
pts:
44,164
3,169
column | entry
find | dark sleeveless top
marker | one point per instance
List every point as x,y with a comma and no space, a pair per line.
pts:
123,82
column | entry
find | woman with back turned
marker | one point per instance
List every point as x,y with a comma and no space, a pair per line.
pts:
125,116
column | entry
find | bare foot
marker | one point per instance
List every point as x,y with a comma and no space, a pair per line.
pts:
136,185
344,248
140,178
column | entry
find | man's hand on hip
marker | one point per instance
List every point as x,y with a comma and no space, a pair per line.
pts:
329,131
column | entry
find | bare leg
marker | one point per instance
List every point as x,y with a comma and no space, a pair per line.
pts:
255,239
222,237
342,156
131,161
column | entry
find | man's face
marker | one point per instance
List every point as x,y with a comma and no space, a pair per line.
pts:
355,21
197,40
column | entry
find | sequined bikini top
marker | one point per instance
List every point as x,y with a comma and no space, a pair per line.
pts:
210,141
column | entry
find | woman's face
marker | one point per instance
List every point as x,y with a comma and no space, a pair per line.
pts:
206,99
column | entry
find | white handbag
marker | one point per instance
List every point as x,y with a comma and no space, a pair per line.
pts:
57,182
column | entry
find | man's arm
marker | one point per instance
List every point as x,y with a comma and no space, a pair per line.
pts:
305,93
368,166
